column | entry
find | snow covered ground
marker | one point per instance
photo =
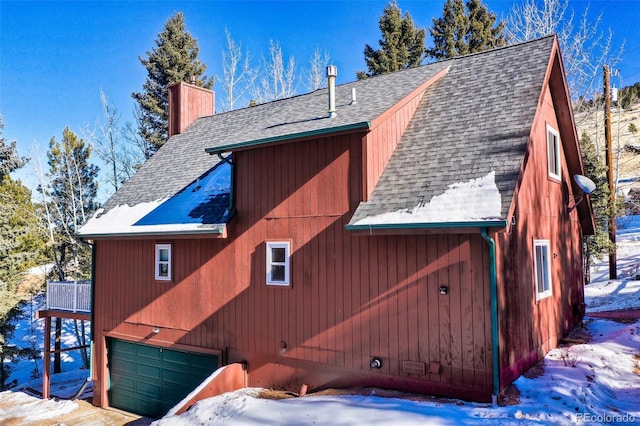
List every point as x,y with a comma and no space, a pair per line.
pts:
594,380
30,333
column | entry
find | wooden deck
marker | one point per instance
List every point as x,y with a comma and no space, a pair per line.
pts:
67,300
74,296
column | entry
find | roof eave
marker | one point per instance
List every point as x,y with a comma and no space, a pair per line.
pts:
362,125
460,227
215,231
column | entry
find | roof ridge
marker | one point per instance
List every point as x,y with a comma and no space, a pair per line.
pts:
496,49
509,46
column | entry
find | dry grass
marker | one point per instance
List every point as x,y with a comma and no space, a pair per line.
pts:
30,284
535,371
580,335
511,396
636,362
384,393
276,394
621,137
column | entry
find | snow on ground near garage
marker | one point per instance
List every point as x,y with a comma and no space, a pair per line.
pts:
602,386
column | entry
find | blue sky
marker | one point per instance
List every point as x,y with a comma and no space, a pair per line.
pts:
56,56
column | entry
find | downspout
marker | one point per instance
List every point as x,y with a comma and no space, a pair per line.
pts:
92,327
230,209
493,281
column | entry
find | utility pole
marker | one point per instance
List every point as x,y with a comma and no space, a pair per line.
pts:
613,273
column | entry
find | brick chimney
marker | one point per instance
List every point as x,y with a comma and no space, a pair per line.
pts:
187,102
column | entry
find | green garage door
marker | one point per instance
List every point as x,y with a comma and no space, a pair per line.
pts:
150,380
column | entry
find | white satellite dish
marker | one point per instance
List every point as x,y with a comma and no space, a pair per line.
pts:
586,185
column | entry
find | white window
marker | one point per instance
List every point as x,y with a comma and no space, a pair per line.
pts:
278,263
542,267
163,262
553,152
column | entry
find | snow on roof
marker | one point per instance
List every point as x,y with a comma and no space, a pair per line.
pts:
476,200
202,206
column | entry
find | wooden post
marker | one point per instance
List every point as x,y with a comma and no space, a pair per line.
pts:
613,273
46,378
57,362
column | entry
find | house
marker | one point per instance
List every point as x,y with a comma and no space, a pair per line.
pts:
419,234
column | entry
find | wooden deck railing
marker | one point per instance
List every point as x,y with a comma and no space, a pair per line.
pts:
74,296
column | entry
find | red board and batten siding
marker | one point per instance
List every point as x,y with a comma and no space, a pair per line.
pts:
381,142
351,297
530,328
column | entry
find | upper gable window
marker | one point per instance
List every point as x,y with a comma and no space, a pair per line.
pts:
163,262
542,267
553,152
278,263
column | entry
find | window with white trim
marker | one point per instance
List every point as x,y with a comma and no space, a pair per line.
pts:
553,152
278,263
542,267
163,262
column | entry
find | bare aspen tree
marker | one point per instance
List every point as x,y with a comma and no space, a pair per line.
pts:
277,79
238,77
315,76
142,149
110,143
585,47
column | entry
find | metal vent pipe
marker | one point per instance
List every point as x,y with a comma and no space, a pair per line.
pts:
332,73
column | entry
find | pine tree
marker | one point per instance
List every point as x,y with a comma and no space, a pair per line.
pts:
9,158
174,59
484,33
596,170
21,246
20,242
69,201
449,31
401,46
9,311
463,31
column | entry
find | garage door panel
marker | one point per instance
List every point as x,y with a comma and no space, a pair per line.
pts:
123,382
150,380
150,390
177,391
124,348
122,365
144,404
176,357
201,361
150,372
123,399
150,353
175,377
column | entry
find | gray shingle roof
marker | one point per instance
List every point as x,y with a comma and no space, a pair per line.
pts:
475,120
183,159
